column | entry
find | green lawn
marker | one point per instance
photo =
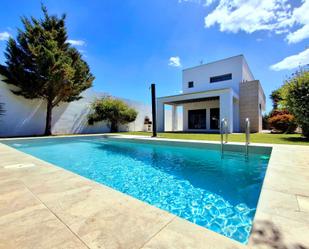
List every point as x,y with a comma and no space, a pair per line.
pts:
296,139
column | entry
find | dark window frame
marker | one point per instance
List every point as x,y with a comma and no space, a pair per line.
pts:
220,78
190,84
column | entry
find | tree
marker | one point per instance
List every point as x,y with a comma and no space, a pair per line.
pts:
43,65
112,110
295,93
275,97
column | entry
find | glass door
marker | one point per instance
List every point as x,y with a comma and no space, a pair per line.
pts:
214,118
197,119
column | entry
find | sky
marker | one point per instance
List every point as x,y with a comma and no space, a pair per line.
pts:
130,44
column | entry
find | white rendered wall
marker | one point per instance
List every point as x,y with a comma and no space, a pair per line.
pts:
168,121
236,124
27,117
226,109
246,72
200,75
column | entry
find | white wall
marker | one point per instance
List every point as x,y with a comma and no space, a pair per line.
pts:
246,72
168,120
200,75
27,117
236,124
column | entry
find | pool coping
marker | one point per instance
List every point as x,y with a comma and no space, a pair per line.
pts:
282,215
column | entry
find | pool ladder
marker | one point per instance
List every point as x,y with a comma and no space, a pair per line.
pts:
224,133
247,129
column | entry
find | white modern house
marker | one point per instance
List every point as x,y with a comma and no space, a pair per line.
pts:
210,92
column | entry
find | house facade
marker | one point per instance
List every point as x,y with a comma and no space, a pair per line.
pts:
213,91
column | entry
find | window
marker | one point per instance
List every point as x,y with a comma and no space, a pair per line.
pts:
190,84
197,119
221,78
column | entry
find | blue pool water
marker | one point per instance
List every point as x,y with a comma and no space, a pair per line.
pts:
193,183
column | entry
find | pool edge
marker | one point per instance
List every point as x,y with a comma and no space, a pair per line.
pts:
272,194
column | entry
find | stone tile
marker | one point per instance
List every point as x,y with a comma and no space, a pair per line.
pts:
281,204
35,228
52,180
185,235
38,169
277,201
286,182
104,217
303,202
14,196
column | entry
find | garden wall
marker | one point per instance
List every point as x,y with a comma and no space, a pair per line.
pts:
25,117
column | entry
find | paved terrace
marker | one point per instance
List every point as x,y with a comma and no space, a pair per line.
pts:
44,206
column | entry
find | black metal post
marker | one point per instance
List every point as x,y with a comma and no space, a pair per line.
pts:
154,112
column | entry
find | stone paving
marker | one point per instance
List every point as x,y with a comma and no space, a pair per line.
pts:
45,206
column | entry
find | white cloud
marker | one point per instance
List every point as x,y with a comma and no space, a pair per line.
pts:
301,18
77,42
174,61
293,61
278,16
251,15
4,36
203,2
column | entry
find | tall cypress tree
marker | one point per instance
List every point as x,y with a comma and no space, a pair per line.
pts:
43,65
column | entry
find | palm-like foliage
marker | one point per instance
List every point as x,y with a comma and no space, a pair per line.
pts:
275,97
42,64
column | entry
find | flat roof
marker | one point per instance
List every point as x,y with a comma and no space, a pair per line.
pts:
205,64
184,94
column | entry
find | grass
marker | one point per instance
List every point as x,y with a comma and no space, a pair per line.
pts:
294,139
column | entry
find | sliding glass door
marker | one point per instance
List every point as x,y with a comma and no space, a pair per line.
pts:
197,119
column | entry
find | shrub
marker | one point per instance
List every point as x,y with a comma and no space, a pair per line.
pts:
114,111
283,122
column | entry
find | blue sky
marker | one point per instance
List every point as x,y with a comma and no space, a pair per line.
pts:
129,44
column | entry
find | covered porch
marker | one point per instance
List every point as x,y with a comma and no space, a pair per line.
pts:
199,111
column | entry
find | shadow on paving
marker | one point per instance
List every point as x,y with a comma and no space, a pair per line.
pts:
267,235
295,139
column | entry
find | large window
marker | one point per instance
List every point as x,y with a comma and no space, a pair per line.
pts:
197,119
221,78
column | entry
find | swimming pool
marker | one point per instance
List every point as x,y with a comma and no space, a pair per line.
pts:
193,183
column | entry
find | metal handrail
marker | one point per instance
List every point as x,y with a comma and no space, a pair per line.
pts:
226,130
223,130
247,130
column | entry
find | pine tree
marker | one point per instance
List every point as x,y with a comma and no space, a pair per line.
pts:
43,65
